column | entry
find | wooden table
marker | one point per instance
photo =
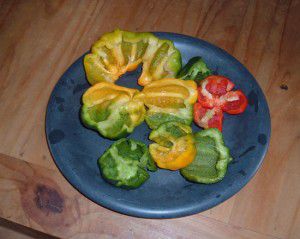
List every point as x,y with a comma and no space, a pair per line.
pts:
39,40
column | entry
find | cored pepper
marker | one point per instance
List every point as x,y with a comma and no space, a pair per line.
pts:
120,51
214,96
111,110
167,100
210,163
174,147
125,162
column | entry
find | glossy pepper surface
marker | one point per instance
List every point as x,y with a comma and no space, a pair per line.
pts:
215,96
120,51
234,102
208,118
111,110
211,89
169,100
125,163
210,163
196,69
174,146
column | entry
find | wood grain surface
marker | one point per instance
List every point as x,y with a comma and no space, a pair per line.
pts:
40,39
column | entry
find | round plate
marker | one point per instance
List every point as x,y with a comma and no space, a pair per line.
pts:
166,194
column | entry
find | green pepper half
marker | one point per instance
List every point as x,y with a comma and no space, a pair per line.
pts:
111,110
212,158
125,163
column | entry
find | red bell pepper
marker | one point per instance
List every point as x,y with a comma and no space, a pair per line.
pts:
208,118
215,95
234,102
218,85
212,88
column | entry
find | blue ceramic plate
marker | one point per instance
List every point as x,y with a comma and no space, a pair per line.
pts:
166,194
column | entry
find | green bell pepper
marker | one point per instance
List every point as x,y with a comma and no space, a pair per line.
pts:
111,110
125,163
195,69
212,158
156,116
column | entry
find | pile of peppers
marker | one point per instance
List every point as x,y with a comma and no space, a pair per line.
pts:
168,105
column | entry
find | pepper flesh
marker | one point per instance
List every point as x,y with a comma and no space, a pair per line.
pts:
234,102
215,95
174,146
210,163
169,100
211,89
120,51
124,164
196,69
208,118
111,110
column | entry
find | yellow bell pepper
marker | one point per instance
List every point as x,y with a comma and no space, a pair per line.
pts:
120,51
167,100
174,148
111,110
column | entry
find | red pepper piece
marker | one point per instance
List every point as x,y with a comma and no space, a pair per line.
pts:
207,101
211,89
218,85
208,118
215,95
234,102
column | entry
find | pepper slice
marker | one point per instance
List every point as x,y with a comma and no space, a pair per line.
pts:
174,147
120,51
111,110
208,118
234,102
169,100
125,162
210,163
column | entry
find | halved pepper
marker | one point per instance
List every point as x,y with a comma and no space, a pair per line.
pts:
212,158
169,100
215,95
111,110
174,146
125,163
120,51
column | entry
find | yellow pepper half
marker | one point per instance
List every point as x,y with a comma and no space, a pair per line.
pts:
111,110
120,51
169,99
174,146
